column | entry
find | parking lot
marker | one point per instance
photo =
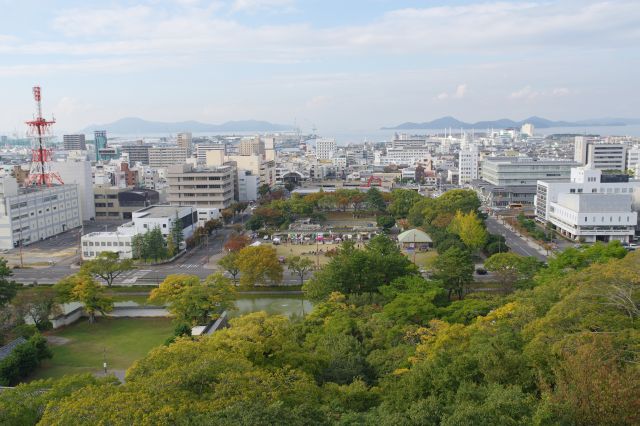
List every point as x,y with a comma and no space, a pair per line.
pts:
59,248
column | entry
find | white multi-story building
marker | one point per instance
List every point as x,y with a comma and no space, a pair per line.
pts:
207,214
583,180
33,214
591,217
78,172
590,206
522,171
144,220
633,158
468,165
401,155
325,149
603,156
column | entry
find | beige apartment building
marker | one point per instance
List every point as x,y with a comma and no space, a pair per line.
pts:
201,186
166,156
255,164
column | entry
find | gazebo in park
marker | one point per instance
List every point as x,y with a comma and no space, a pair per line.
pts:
414,238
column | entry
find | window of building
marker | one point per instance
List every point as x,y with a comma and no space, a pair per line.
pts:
572,191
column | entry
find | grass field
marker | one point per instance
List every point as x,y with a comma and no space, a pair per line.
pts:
305,250
125,341
423,259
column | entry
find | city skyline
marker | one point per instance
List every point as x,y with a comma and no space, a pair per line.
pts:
337,67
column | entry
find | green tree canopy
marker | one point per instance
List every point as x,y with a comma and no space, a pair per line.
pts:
82,288
108,266
357,271
259,266
194,302
455,269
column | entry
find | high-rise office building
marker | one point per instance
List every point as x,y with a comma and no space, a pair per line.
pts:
527,129
138,153
468,164
184,141
600,155
167,155
100,142
251,146
325,149
74,142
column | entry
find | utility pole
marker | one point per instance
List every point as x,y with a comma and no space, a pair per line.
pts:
104,360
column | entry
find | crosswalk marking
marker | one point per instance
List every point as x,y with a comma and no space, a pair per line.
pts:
130,277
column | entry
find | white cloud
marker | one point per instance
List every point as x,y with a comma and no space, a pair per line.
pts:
529,93
199,28
459,93
560,91
318,101
525,93
253,6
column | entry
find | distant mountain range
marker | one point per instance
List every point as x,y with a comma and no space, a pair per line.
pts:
538,122
138,126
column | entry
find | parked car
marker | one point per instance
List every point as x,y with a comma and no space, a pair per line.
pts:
481,271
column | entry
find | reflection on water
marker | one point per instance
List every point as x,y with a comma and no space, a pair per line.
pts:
272,304
290,305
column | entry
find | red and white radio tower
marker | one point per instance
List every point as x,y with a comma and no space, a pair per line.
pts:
40,173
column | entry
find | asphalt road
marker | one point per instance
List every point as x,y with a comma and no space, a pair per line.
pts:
194,262
516,243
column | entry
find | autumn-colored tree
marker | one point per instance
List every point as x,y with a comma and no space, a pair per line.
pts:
82,288
227,215
230,264
212,224
194,302
470,229
300,265
259,266
595,386
237,242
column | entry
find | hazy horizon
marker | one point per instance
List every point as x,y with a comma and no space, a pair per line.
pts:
339,67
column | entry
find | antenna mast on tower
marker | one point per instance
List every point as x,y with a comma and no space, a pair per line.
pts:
40,173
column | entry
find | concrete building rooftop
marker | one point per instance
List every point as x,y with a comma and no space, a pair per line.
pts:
158,211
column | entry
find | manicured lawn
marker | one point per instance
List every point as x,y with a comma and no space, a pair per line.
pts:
125,341
423,259
305,250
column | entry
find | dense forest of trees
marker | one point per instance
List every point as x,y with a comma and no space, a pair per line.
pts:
564,351
558,344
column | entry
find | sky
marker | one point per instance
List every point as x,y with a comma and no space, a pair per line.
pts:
337,65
